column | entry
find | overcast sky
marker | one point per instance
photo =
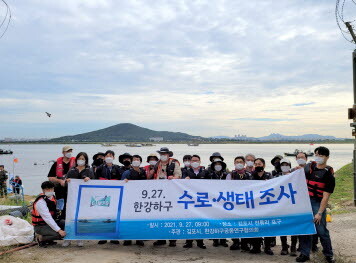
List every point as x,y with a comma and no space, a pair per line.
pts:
208,67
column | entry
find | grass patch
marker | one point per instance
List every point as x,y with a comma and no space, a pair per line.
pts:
342,198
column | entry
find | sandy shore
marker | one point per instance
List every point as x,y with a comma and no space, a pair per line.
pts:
343,233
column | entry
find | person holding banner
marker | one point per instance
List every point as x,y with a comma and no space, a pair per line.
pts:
321,183
218,172
126,160
195,172
46,227
239,173
108,171
261,174
167,168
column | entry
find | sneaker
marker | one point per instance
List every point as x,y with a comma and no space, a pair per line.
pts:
216,243
66,243
268,251
330,259
201,244
101,242
51,243
255,250
80,243
140,243
245,248
293,252
235,246
302,258
116,242
159,242
172,243
284,251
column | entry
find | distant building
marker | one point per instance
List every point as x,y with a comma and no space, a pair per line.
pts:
156,139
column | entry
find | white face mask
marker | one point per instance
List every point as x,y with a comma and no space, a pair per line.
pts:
81,162
153,163
196,164
319,160
187,164
68,155
136,163
109,159
285,169
49,194
301,161
239,166
164,158
218,168
249,164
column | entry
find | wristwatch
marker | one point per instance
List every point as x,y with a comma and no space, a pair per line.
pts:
320,214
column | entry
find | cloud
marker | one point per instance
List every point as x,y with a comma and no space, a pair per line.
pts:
263,119
303,104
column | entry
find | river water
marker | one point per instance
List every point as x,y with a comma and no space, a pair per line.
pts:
42,154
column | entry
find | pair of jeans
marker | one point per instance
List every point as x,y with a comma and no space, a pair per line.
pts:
323,233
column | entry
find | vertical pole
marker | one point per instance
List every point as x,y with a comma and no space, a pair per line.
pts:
354,107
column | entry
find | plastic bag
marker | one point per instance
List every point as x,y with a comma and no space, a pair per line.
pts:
14,231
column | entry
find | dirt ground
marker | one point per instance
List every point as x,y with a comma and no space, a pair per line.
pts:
343,234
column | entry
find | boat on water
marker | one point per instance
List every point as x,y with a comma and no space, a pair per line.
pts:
296,151
83,221
6,151
109,221
134,145
193,144
107,144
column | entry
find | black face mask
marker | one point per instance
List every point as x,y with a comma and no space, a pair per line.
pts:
277,166
127,163
259,169
98,162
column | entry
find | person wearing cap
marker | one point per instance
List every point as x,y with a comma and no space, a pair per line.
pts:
98,159
152,160
250,162
239,173
108,171
217,171
126,160
166,168
216,156
260,174
276,162
186,161
134,173
285,169
57,175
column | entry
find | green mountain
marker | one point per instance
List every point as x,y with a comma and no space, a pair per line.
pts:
126,132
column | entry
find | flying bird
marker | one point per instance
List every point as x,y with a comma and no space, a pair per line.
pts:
48,114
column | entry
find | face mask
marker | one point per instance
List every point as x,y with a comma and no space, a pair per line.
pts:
301,161
259,169
68,155
249,163
164,158
136,163
239,166
196,164
127,163
81,162
285,169
319,160
109,159
49,194
218,168
153,163
187,164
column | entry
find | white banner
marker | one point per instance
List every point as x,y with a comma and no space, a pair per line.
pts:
189,209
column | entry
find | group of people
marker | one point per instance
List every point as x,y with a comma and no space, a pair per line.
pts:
15,182
49,207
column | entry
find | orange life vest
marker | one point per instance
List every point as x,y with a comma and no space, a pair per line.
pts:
37,220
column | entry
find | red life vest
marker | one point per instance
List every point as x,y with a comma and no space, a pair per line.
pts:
59,168
316,187
37,220
169,168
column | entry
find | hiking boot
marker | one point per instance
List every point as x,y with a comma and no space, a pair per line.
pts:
268,251
330,259
223,243
200,244
315,248
302,258
293,251
245,248
188,244
255,250
116,242
101,242
127,243
235,246
172,243
216,243
284,250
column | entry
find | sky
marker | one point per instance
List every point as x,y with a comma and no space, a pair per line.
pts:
204,67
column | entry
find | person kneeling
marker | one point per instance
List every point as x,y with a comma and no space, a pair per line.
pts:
43,217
